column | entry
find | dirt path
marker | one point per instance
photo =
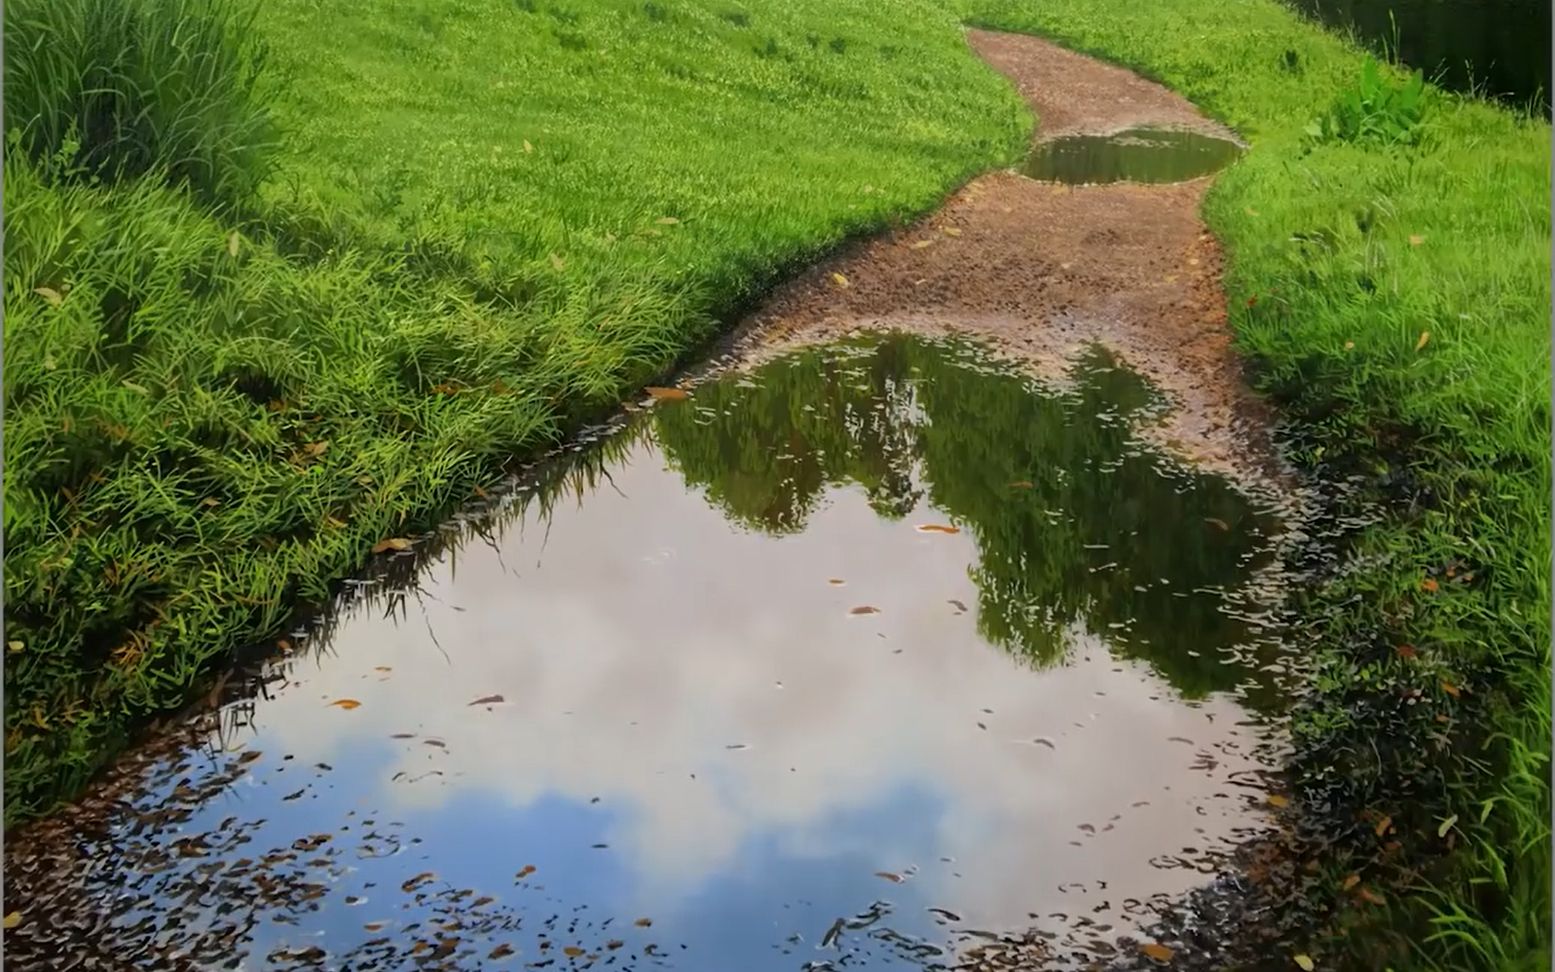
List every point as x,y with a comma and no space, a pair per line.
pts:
1040,270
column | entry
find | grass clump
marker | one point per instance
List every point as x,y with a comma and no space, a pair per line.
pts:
1394,296
237,361
1376,109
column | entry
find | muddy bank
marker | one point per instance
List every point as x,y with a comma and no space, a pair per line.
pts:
1041,270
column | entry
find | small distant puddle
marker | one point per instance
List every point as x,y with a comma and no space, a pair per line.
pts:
866,657
1148,155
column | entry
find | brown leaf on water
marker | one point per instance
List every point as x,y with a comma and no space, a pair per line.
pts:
1383,825
893,878
525,871
643,922
488,700
1350,882
382,668
1217,522
1157,951
50,295
1450,688
836,581
392,543
667,394
614,944
12,920
1275,800
346,704
1425,336
572,951
937,528
865,609
373,926
501,951
403,735
417,881
957,605
233,239
839,280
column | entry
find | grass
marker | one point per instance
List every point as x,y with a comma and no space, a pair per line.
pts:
234,365
1395,300
268,309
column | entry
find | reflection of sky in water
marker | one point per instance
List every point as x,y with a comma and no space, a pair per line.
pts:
699,698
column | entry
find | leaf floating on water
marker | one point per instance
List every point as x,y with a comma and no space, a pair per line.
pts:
667,394
836,582
839,280
501,951
643,922
1446,825
572,951
417,881
1383,825
524,871
1157,951
958,605
346,704
1425,336
1350,882
12,920
937,528
865,609
1045,741
373,926
488,700
1304,962
392,543
1277,801
1217,522
893,878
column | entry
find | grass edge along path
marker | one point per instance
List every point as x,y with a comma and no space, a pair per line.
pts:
1392,295
270,306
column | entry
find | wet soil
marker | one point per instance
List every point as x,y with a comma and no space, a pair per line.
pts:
1042,270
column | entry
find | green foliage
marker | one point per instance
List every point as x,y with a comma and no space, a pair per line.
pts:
1375,109
486,221
1340,258
121,88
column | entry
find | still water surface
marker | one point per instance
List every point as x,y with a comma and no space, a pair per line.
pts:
852,661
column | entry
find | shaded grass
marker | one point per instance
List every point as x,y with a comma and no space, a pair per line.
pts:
487,220
1395,300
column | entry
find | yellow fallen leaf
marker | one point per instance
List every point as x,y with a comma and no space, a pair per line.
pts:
1415,239
1383,825
233,239
557,262
1372,897
937,528
392,543
666,221
1350,882
527,146
1157,951
839,280
1304,962
14,646
922,243
667,394
1425,336
50,295
1275,800
1349,345
12,920
572,951
1250,211
951,231
1450,688
346,704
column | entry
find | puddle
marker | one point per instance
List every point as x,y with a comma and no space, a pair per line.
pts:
858,660
1146,155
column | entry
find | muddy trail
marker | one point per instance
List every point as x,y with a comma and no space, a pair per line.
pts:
937,623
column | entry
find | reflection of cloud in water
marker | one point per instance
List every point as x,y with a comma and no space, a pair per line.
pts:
651,637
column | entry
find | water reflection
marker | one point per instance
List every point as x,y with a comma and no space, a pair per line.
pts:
632,729
1148,155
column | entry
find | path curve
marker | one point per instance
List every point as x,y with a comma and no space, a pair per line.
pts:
1040,270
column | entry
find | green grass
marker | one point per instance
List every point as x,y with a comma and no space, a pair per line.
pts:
1342,255
485,221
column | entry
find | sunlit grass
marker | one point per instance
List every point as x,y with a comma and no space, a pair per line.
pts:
1396,301
485,221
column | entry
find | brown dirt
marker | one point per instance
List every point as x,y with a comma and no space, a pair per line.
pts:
1039,270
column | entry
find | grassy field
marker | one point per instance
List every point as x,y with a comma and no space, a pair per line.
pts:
1395,299
265,311
262,313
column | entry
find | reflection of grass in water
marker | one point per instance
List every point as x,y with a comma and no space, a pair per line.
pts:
907,420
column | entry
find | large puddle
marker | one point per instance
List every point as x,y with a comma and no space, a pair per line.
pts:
1145,155
857,660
